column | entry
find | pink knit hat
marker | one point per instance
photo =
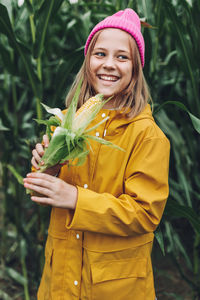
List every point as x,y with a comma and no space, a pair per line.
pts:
126,20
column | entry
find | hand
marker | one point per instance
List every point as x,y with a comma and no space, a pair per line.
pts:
55,191
38,152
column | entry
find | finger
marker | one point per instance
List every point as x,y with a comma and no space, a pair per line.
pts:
46,140
37,157
43,176
40,149
34,163
42,200
39,182
41,190
36,181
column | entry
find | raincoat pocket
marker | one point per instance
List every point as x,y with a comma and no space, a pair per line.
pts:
119,279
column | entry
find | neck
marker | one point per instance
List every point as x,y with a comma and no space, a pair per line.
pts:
111,104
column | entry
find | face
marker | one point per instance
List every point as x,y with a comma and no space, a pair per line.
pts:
111,62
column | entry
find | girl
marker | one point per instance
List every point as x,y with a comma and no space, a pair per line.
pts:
105,211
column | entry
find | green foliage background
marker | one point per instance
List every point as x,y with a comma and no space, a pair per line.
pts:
41,50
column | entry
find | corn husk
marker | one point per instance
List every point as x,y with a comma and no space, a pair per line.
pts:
69,142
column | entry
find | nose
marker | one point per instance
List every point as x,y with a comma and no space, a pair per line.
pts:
109,62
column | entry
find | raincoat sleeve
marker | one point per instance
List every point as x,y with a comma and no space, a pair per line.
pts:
139,209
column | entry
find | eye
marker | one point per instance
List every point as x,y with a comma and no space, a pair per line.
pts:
99,54
123,57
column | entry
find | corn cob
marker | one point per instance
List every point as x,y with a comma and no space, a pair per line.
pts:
70,138
89,104
88,109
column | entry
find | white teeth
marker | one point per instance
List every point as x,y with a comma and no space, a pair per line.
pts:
109,78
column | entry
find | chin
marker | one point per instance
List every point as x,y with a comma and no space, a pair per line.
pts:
106,93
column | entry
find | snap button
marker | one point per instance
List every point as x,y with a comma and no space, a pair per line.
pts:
103,115
78,236
85,186
97,134
75,282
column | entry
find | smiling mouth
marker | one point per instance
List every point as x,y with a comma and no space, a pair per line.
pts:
108,77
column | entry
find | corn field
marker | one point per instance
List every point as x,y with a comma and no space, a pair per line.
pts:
41,50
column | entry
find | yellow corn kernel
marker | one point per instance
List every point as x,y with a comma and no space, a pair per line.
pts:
89,105
86,110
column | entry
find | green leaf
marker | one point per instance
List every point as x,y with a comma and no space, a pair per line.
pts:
69,116
39,121
29,6
54,111
176,210
173,296
185,46
104,142
97,125
43,17
181,249
2,127
52,121
23,248
82,158
68,142
5,296
184,182
6,59
168,57
6,29
159,237
71,62
77,153
56,150
16,276
15,173
194,119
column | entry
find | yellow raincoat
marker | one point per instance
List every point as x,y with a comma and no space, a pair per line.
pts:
102,250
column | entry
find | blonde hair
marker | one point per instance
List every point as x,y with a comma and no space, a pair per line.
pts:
132,100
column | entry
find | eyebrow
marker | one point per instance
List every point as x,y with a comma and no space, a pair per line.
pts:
99,48
118,50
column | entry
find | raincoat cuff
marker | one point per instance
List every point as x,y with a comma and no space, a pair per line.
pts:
77,219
